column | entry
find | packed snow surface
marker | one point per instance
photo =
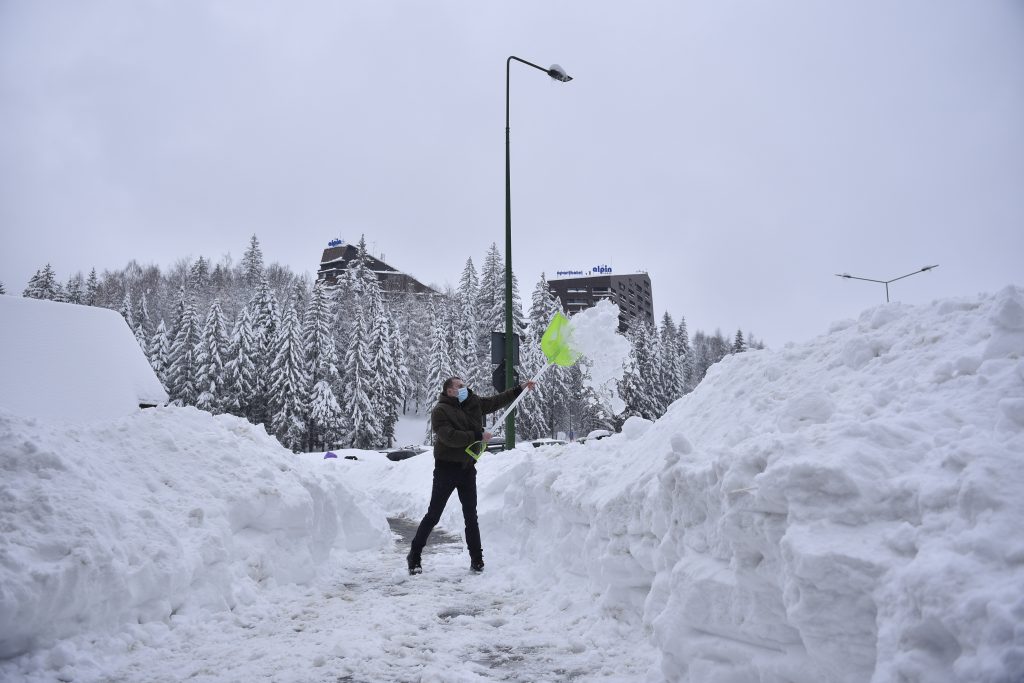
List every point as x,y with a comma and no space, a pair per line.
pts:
840,511
71,362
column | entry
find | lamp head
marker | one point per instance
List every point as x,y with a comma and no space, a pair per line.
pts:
558,73
929,267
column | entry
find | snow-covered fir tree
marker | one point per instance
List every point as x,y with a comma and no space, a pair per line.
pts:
531,417
638,388
127,309
92,287
252,263
440,365
417,324
491,297
211,358
265,321
738,345
240,384
159,353
44,285
323,362
686,355
543,306
298,295
326,420
318,337
359,278
387,396
2,289
363,424
143,323
74,290
182,372
199,277
399,343
289,383
671,367
470,360
33,289
370,336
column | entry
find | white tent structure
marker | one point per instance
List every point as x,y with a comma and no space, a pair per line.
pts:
69,362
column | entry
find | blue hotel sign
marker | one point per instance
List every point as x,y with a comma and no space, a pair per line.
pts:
596,270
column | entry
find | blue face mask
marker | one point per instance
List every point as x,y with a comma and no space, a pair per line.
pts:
463,394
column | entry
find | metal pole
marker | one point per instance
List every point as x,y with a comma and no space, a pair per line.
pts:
510,420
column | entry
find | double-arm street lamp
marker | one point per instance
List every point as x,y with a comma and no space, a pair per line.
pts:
557,73
885,282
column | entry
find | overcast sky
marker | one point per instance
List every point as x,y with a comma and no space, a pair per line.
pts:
741,153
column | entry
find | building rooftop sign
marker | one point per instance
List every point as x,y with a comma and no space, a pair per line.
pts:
336,242
596,270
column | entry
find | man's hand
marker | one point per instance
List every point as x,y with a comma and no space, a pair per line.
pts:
487,437
529,385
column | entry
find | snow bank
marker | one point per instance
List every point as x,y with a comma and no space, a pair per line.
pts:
68,362
845,510
164,512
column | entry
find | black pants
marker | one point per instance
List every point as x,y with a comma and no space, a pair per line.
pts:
450,477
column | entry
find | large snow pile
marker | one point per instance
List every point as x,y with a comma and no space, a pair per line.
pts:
164,512
71,362
845,510
849,509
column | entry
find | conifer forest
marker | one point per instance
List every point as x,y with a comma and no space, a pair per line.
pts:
335,364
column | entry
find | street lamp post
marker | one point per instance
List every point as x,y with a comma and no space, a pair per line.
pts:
885,282
558,73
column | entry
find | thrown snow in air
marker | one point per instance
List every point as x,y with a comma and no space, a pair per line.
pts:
594,333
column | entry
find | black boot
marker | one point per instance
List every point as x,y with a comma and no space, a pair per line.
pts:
414,563
476,562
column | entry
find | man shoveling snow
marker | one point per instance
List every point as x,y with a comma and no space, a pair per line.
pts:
458,424
460,438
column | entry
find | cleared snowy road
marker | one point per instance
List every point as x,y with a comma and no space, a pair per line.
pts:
370,622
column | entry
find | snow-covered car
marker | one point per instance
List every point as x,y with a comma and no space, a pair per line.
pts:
404,452
594,435
537,443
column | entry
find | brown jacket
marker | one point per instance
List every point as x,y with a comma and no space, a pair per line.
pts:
457,425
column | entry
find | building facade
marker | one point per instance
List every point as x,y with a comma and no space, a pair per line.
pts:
338,255
630,291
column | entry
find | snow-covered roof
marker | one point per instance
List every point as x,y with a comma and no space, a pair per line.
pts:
68,362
